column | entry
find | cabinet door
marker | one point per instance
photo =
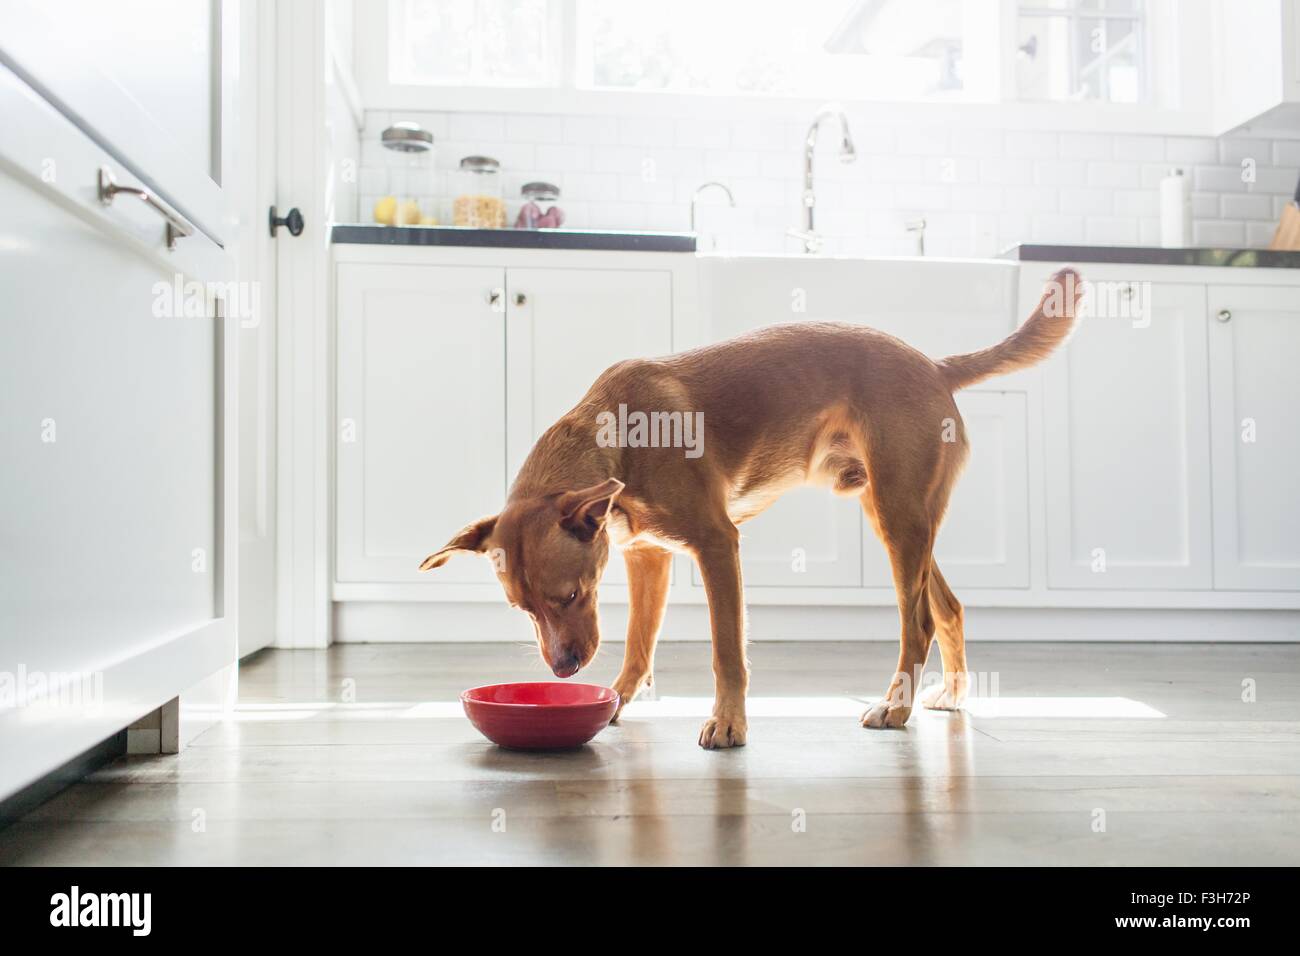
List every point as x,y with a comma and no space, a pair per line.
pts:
1127,446
147,80
421,416
1254,397
984,540
118,575
565,327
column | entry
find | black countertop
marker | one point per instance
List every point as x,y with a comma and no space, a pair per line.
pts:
1157,256
515,238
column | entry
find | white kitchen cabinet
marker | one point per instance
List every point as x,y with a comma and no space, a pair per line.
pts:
984,539
118,409
1257,64
148,81
1254,341
566,326
421,448
447,375
1126,444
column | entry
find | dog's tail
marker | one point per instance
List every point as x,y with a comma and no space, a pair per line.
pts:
1048,326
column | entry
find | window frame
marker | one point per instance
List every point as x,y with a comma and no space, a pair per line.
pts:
1180,104
1074,17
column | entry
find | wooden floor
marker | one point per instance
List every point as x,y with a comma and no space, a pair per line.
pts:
1089,754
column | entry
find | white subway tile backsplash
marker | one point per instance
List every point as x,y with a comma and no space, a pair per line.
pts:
980,143
1140,148
696,133
1085,146
1117,175
1249,206
923,141
1084,200
1110,230
1135,203
534,129
1286,152
1058,172
1191,149
1205,205
1030,199
725,163
1051,228
477,127
1031,145
591,130
1270,179
1206,233
562,157
979,190
757,134
977,197
1233,151
1008,171
1259,234
645,131
921,197
1221,179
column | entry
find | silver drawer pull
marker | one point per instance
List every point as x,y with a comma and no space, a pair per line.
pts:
1224,315
178,227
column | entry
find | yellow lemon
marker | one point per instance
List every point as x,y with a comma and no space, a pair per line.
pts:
386,211
408,214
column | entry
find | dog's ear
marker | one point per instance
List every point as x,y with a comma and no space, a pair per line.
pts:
583,513
472,537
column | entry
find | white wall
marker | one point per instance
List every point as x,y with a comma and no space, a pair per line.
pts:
979,190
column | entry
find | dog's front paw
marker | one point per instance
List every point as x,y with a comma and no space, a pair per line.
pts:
883,714
627,688
947,695
721,732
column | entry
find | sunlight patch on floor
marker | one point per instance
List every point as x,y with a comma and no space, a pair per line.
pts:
1056,707
670,706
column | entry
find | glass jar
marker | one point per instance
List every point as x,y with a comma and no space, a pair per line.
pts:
412,181
478,203
536,196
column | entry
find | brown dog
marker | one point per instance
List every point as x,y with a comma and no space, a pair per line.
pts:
817,402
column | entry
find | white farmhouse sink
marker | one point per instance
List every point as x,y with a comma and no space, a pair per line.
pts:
940,306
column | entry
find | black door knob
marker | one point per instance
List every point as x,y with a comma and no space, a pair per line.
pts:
292,222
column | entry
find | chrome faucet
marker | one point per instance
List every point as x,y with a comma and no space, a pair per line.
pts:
812,242
695,197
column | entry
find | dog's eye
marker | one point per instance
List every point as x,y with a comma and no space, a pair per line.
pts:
565,602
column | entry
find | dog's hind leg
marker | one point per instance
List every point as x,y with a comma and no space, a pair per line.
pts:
648,573
949,619
908,535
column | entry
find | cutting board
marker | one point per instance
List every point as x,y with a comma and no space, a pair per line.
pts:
1287,235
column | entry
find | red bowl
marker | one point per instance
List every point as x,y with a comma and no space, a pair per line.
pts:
541,715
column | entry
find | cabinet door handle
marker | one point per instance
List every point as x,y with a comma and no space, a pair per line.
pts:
1224,315
494,297
521,299
178,227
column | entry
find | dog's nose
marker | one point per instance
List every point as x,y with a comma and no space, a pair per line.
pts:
566,665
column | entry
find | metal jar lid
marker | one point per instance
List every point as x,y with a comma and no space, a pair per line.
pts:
407,138
480,164
547,192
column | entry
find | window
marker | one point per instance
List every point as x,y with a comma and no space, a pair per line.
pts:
853,50
1080,50
472,42
850,49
